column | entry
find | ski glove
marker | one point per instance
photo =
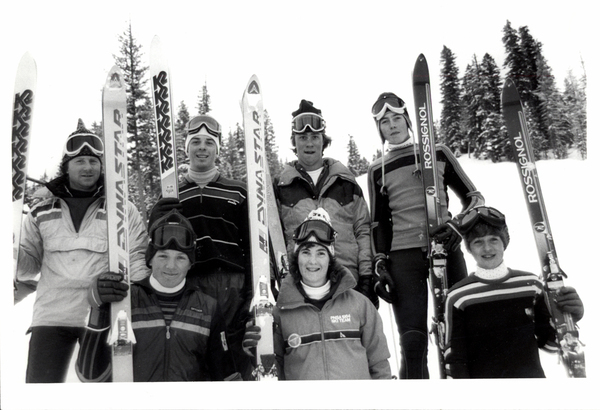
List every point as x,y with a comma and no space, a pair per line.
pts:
107,288
251,338
568,301
163,207
447,234
366,286
384,285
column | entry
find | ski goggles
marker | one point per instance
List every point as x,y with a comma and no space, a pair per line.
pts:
487,214
386,102
77,143
211,125
315,122
321,230
166,234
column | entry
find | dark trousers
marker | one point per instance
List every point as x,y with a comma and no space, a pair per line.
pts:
409,269
50,351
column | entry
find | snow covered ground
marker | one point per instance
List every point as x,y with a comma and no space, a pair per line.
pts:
564,183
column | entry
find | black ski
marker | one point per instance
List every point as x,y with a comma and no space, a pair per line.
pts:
437,254
570,348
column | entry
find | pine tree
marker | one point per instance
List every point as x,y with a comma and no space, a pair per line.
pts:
474,114
144,186
554,118
204,101
357,165
450,129
183,117
576,110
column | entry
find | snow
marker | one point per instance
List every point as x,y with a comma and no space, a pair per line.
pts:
565,184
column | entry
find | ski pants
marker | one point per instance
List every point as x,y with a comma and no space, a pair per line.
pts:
50,351
233,296
409,269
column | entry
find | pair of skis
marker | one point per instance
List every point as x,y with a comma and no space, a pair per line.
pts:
261,200
570,348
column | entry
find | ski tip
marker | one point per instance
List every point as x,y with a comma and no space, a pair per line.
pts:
155,41
114,79
28,64
421,70
510,93
253,85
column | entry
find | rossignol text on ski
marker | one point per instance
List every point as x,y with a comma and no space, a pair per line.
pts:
24,96
570,348
163,120
256,162
114,120
428,166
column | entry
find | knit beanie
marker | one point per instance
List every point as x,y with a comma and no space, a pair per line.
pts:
306,231
394,104
203,125
308,107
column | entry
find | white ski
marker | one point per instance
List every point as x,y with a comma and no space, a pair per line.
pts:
256,163
163,120
25,89
114,120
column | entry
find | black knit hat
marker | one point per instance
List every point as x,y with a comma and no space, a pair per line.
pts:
306,107
171,219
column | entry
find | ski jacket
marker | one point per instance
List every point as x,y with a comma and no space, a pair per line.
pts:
219,214
343,340
399,217
68,260
340,195
193,347
496,327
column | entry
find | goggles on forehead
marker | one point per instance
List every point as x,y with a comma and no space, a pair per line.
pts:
392,103
487,214
76,143
315,122
164,235
211,125
321,230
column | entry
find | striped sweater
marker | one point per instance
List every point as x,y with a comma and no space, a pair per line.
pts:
494,328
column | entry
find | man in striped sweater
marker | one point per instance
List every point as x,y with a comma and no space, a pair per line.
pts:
496,318
218,211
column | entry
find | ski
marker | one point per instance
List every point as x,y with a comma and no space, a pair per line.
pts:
163,120
427,154
114,120
570,348
256,164
24,96
276,238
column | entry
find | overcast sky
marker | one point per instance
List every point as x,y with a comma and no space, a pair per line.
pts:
339,54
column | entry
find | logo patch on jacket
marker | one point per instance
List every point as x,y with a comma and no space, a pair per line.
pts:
224,342
347,318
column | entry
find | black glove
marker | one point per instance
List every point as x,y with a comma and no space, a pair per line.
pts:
384,286
107,288
366,286
447,234
569,301
163,207
251,338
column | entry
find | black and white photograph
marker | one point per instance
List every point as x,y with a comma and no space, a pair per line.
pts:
312,194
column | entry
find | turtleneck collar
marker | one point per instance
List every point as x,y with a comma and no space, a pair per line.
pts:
316,293
160,288
202,178
497,273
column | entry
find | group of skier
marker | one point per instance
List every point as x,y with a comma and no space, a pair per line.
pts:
191,284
